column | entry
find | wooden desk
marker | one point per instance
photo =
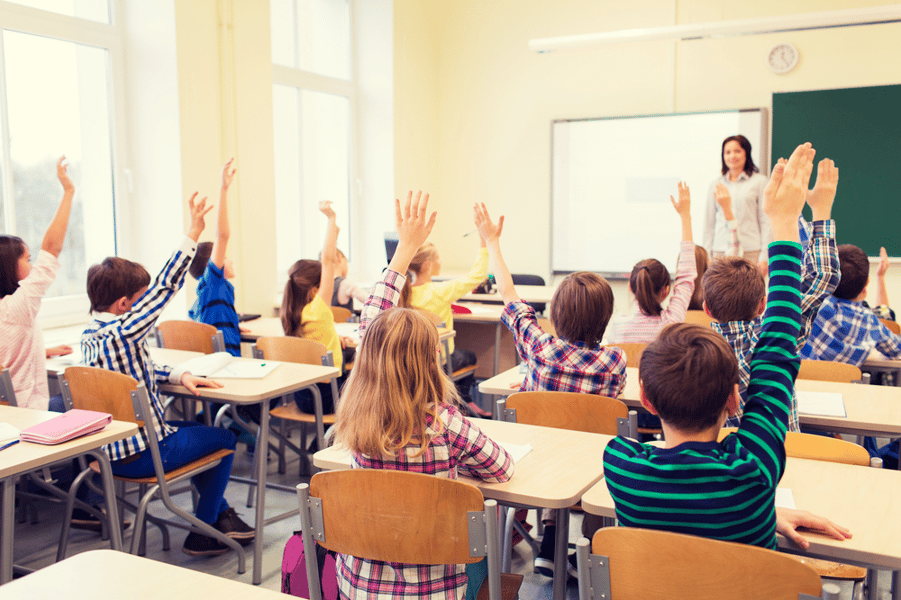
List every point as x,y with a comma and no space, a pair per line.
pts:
26,456
109,575
499,352
286,379
871,409
537,294
884,365
272,327
555,474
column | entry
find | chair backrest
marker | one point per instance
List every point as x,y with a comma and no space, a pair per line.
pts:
341,314
7,391
361,516
188,335
633,352
893,326
698,317
90,388
647,564
827,370
818,447
566,410
524,279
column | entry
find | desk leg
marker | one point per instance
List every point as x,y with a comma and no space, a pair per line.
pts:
498,329
561,551
7,527
896,585
262,451
112,503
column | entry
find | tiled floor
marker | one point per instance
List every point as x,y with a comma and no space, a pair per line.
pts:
36,544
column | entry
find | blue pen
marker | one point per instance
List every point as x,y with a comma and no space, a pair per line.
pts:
12,443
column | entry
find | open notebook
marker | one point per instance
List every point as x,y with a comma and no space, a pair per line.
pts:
222,365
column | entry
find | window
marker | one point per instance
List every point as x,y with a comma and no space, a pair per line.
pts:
313,107
57,100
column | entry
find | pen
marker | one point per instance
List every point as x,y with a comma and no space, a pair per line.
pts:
470,233
12,443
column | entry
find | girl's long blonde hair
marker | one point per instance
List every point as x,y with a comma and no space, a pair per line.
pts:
396,383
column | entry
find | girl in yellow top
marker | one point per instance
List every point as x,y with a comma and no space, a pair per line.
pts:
305,309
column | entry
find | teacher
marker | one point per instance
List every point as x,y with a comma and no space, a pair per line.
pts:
735,223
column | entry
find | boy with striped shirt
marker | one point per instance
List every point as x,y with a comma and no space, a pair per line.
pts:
689,377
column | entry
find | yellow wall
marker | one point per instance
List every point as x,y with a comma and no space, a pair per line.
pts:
463,68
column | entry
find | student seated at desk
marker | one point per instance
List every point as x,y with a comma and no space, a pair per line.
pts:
735,290
573,362
345,291
124,310
400,411
689,377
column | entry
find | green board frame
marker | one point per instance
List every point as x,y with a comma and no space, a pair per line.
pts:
860,129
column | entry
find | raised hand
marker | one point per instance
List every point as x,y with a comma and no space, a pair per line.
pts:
489,231
63,176
413,229
822,195
883,263
325,207
722,197
683,206
228,174
786,192
198,209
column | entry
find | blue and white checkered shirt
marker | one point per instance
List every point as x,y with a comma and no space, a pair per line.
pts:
847,331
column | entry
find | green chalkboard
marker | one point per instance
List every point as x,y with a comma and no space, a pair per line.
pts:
860,129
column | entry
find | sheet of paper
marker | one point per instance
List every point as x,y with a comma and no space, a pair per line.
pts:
351,330
825,404
241,368
517,451
8,433
785,498
481,310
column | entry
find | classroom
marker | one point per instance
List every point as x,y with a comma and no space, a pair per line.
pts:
442,96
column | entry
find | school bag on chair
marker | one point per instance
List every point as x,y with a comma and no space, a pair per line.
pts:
294,570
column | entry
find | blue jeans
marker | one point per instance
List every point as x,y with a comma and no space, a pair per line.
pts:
192,441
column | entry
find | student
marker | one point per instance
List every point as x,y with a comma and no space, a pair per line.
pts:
573,362
124,311
305,310
215,304
735,291
845,330
345,291
399,411
701,263
22,285
689,377
650,283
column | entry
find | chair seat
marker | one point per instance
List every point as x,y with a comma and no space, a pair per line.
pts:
463,372
174,473
290,412
833,570
510,584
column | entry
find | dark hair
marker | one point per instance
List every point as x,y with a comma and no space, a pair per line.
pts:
303,277
855,272
11,250
701,262
733,289
582,307
750,167
648,279
201,258
112,279
687,374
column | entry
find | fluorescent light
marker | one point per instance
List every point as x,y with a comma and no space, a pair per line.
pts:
821,20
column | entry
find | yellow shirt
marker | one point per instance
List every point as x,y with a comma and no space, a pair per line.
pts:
319,324
437,296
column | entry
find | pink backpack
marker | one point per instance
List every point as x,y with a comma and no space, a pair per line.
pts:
294,570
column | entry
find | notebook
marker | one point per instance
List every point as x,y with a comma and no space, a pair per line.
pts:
222,365
67,426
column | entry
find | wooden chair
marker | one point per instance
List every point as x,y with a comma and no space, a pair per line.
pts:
189,335
631,564
341,314
125,399
307,352
698,317
893,326
633,352
7,391
398,516
827,370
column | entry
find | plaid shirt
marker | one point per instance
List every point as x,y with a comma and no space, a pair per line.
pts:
820,276
119,343
455,445
847,331
556,365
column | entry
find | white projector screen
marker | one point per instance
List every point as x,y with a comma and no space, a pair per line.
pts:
612,180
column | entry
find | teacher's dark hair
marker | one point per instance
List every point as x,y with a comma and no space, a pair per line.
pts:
750,167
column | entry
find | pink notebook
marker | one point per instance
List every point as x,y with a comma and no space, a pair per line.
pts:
67,426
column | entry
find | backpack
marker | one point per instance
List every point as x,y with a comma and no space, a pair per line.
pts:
294,570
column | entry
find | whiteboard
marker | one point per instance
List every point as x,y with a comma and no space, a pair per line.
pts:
612,179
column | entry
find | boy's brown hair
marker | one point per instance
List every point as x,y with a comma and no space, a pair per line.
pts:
733,289
112,279
855,269
582,307
200,260
687,374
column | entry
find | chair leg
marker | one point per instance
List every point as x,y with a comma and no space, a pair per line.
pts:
283,428
63,546
507,551
252,488
872,584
